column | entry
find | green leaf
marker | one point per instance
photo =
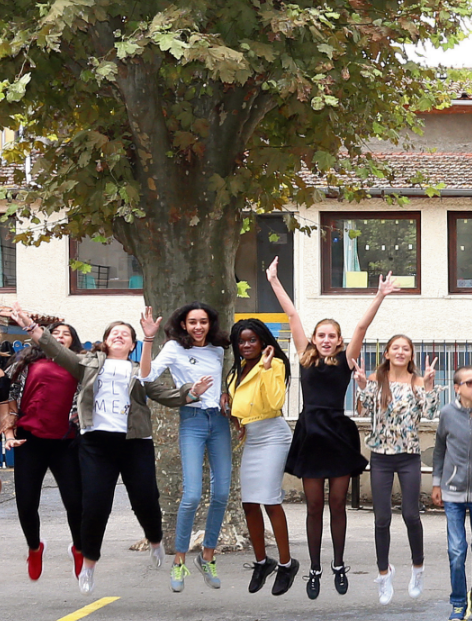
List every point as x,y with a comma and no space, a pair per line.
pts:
242,289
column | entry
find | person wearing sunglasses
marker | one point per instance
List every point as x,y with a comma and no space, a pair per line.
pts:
452,482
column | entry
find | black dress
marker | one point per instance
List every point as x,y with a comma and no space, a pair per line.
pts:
325,442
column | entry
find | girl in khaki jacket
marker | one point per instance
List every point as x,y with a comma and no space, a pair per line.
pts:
116,434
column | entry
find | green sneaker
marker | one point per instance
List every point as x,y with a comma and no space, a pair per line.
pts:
177,575
208,570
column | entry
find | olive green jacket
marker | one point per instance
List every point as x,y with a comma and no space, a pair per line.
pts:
85,367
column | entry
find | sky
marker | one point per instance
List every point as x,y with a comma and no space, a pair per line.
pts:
460,56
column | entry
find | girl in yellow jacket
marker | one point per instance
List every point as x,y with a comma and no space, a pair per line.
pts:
257,383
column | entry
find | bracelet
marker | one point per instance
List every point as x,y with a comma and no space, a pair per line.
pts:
9,439
31,327
149,339
192,395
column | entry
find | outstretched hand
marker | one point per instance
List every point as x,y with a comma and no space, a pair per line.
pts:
359,374
387,286
271,271
202,385
12,443
429,374
149,326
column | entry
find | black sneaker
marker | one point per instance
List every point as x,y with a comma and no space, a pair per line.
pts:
313,584
285,577
260,574
341,582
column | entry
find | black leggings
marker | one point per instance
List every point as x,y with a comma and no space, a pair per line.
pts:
32,459
382,470
103,457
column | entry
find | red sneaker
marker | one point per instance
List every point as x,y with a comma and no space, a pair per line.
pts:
77,560
35,561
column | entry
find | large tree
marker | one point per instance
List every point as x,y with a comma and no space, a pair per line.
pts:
158,122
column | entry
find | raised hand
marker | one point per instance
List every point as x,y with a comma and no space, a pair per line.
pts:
149,326
271,271
387,286
202,385
20,316
267,356
429,374
359,374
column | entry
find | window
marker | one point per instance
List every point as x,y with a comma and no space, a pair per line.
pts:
7,257
112,269
460,251
357,247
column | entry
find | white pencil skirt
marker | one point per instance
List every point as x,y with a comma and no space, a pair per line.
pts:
263,461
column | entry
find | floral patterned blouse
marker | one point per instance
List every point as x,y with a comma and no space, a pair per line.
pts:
395,430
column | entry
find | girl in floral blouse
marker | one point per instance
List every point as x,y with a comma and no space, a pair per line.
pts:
396,397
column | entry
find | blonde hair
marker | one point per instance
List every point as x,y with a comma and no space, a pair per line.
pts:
311,356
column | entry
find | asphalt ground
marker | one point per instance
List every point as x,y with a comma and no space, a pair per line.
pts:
143,593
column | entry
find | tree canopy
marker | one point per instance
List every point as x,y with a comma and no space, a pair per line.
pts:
180,111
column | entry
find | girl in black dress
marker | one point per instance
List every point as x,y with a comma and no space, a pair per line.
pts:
326,442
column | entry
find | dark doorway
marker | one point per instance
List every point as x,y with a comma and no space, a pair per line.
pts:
258,247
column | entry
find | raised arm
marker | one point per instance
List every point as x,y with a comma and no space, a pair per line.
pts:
386,287
150,329
296,328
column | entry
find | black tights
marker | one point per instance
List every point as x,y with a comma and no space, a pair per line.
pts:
314,495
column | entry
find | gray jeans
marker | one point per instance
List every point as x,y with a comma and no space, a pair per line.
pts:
382,469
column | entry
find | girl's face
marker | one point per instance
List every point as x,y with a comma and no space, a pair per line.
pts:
63,335
399,353
119,342
326,339
197,324
250,345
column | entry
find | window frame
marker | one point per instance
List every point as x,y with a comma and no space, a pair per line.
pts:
452,217
11,289
75,290
326,218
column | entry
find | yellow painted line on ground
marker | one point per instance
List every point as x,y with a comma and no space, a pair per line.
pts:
87,610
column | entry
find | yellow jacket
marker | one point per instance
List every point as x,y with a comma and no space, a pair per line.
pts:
261,394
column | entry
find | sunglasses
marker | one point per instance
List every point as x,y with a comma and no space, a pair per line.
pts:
468,383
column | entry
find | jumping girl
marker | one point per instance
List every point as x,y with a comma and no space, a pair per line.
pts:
43,397
396,397
195,346
116,433
326,443
257,382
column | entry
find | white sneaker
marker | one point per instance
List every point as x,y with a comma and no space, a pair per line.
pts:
385,583
415,587
86,582
158,556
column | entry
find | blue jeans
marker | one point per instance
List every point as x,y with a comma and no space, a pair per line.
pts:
457,549
200,429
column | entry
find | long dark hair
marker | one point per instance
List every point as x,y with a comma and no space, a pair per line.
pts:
34,353
103,346
174,331
383,385
267,338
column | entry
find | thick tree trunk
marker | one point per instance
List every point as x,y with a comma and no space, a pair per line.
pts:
183,262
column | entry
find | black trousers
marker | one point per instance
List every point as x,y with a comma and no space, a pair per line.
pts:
382,469
103,457
32,459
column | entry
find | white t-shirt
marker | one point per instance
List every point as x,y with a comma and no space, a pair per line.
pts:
111,401
188,365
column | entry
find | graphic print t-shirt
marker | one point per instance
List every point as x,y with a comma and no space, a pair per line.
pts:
111,397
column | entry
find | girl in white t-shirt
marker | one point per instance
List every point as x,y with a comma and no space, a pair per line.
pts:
195,347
